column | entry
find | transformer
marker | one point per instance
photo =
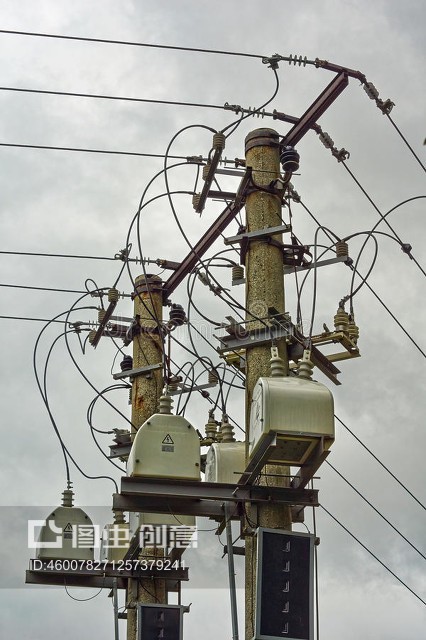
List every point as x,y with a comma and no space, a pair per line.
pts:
149,521
225,462
114,542
298,411
68,533
165,446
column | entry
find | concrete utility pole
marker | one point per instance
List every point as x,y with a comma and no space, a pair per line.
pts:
264,288
146,392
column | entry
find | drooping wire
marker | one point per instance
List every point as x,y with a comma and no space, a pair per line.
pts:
65,450
378,298
234,125
382,217
81,599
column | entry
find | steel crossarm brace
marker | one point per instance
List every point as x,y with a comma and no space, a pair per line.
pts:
208,238
159,495
103,324
209,180
317,108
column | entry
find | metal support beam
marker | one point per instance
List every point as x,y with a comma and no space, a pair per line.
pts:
261,233
209,237
87,576
209,179
139,371
186,497
100,330
317,108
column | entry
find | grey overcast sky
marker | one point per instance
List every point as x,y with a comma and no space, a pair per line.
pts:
83,203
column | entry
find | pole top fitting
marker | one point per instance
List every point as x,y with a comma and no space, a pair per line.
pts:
262,138
148,284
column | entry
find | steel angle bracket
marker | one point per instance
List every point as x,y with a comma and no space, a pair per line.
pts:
102,325
337,337
189,497
211,235
254,339
139,371
313,265
259,234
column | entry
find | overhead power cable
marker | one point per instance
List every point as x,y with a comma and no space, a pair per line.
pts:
21,286
404,584
129,43
33,319
401,484
406,141
54,255
82,150
376,510
97,96
383,218
366,284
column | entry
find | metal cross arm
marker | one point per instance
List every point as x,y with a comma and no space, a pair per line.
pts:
317,108
208,238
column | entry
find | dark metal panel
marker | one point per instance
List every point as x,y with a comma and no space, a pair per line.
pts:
175,489
284,595
160,621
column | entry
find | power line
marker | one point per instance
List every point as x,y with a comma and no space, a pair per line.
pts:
376,510
384,219
21,286
32,319
376,295
97,96
406,142
373,555
82,150
55,255
380,462
130,44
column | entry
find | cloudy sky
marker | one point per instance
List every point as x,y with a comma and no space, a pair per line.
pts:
76,203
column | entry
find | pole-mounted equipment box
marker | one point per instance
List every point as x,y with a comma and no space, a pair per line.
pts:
284,588
299,411
165,446
160,621
225,462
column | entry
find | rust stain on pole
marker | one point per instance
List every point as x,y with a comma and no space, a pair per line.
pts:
146,391
264,288
147,349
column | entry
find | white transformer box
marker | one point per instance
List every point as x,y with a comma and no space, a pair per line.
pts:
225,462
298,411
165,446
114,542
68,534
